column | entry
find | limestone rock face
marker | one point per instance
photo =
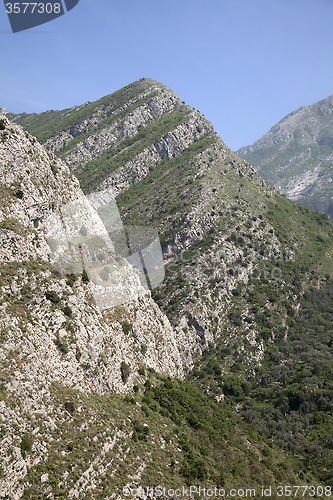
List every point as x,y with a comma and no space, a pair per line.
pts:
77,318
52,328
34,183
126,134
144,135
158,100
169,146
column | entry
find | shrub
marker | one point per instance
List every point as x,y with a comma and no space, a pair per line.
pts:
193,470
145,409
266,451
19,194
140,430
219,480
127,327
265,333
70,407
125,371
62,345
236,387
2,125
26,443
204,450
143,349
85,277
129,399
52,296
67,310
148,385
235,317
78,354
71,278
2,392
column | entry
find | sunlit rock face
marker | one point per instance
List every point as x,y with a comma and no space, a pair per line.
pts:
61,325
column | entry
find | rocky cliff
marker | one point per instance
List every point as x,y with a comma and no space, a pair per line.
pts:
213,213
80,325
168,169
53,329
116,140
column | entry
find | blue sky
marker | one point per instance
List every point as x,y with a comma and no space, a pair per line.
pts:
244,64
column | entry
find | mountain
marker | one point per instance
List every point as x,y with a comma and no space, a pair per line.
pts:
123,134
52,331
226,364
296,155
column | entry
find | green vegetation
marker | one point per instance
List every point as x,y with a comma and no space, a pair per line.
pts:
45,125
52,296
70,407
292,397
71,278
127,327
310,232
19,194
111,117
67,310
62,345
94,172
157,199
85,277
2,387
204,443
26,443
125,371
256,409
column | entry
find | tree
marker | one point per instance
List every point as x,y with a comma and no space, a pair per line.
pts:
26,444
125,371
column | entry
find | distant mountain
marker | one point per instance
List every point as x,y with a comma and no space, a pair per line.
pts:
226,364
296,156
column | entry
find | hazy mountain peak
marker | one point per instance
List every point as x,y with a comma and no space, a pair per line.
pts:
296,155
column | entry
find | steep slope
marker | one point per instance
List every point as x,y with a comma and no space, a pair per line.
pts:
36,185
51,329
64,430
169,170
296,155
222,228
239,258
114,141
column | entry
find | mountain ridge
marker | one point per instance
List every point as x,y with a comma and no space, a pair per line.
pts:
245,267
296,155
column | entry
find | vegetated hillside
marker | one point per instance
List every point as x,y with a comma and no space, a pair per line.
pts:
239,259
117,139
296,155
65,430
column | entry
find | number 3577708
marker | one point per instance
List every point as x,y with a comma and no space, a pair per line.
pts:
33,8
